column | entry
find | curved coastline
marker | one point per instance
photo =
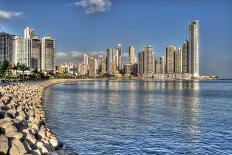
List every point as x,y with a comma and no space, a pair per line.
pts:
22,119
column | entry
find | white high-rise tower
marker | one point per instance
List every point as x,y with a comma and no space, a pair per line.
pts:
194,48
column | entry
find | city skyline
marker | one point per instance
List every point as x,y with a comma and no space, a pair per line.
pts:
160,34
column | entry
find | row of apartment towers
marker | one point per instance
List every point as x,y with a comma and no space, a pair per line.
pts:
182,61
34,52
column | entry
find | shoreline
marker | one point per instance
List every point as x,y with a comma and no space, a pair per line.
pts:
23,128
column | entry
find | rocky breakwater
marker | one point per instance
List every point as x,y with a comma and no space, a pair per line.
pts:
22,120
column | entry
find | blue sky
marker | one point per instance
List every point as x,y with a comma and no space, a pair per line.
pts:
94,25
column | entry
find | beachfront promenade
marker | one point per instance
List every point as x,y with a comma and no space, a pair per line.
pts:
22,120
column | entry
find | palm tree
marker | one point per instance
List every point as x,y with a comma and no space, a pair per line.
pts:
16,68
23,68
4,67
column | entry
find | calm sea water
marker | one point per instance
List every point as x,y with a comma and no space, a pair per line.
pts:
142,117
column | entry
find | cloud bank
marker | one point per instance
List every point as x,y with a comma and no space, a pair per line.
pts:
94,6
5,15
74,56
77,56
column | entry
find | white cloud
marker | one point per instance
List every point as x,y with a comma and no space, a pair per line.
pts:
93,6
9,14
74,56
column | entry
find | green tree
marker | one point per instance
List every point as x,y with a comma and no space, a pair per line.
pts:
4,67
23,68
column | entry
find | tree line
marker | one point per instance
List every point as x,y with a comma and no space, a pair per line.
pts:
17,72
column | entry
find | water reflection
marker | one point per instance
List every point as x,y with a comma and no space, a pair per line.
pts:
129,116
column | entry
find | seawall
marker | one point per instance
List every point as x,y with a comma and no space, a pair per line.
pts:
22,120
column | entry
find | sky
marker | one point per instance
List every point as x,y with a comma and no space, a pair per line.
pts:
92,26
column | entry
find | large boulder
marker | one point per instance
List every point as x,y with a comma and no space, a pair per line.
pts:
17,135
31,138
3,144
17,148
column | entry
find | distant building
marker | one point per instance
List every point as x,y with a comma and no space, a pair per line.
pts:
114,67
119,63
194,47
158,66
178,61
92,65
48,54
6,47
101,64
86,64
140,64
146,62
17,49
185,57
170,59
35,55
163,65
132,55
127,69
82,69
109,60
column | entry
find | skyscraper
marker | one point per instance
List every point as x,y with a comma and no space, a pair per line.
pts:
92,66
194,47
170,59
35,55
146,62
5,47
178,61
48,54
140,64
158,66
132,55
163,65
17,49
119,48
101,64
185,55
109,60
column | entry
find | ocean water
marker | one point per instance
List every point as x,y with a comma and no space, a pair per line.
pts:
142,117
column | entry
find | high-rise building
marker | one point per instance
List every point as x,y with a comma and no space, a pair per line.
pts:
146,62
119,63
5,47
101,64
127,69
92,66
170,59
163,65
86,64
140,64
35,54
116,59
178,61
132,55
185,57
158,66
48,54
29,33
194,47
17,49
109,60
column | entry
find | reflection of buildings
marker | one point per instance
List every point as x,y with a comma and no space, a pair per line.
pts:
182,100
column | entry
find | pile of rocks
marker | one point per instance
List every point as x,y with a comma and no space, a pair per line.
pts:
22,120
